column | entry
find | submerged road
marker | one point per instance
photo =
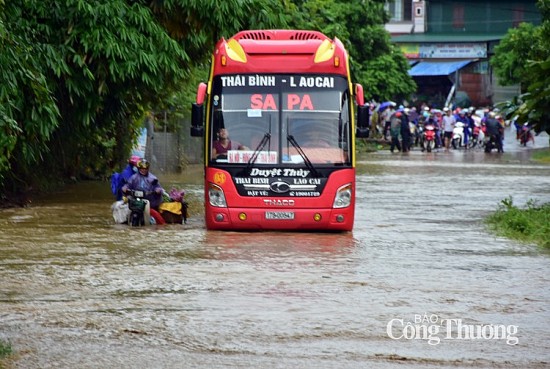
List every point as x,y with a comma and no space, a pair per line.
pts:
418,283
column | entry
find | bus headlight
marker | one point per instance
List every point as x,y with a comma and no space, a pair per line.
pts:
343,197
216,196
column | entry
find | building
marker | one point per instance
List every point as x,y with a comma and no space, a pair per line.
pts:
449,44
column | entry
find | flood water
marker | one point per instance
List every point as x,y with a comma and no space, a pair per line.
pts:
418,283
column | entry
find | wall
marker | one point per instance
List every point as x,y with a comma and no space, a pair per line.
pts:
480,17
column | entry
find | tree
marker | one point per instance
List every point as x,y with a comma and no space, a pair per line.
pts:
523,57
359,24
78,76
512,52
28,113
74,110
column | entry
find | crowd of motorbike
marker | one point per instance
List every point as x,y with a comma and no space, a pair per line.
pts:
423,127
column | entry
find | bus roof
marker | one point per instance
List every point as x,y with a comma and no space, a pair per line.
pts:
280,51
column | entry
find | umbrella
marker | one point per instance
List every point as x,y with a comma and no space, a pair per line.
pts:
385,104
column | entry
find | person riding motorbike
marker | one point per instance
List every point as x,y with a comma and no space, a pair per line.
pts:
147,182
494,130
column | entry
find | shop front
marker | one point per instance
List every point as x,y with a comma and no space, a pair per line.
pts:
449,70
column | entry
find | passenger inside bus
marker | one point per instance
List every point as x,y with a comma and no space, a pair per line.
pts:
224,144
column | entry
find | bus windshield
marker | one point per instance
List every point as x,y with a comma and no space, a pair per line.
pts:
280,119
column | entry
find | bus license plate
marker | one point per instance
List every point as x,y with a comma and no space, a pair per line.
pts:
279,215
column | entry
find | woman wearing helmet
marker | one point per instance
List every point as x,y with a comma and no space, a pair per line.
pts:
118,180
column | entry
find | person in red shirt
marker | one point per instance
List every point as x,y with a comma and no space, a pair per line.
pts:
224,144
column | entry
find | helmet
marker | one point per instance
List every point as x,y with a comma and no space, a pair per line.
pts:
134,159
143,164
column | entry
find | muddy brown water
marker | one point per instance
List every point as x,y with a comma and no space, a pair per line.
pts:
418,283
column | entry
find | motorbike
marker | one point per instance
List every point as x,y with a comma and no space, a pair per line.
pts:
525,135
135,210
458,135
478,136
490,143
428,138
140,210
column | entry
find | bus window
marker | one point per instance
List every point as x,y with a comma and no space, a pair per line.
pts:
317,136
245,131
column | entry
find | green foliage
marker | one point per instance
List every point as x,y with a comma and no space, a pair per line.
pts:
5,349
523,57
530,225
512,52
28,113
391,80
78,77
375,62
541,156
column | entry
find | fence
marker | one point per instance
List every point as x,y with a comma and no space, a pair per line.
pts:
169,152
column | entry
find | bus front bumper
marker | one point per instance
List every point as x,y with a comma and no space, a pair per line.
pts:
280,219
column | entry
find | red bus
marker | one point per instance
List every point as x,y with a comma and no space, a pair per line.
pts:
279,126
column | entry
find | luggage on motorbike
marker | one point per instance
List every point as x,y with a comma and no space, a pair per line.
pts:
121,211
174,212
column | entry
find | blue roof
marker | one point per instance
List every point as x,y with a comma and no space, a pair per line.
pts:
439,68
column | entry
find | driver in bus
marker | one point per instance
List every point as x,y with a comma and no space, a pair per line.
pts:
224,144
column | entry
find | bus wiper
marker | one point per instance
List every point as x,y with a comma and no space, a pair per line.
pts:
310,166
259,148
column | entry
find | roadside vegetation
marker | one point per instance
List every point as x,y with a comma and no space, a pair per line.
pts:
75,112
5,351
363,145
530,224
541,156
523,57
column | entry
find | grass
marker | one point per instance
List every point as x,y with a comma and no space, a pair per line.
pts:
528,225
5,351
541,156
370,145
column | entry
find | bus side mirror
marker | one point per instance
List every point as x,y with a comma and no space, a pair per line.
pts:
197,111
362,130
197,119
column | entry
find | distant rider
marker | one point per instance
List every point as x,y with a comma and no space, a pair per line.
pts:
494,128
